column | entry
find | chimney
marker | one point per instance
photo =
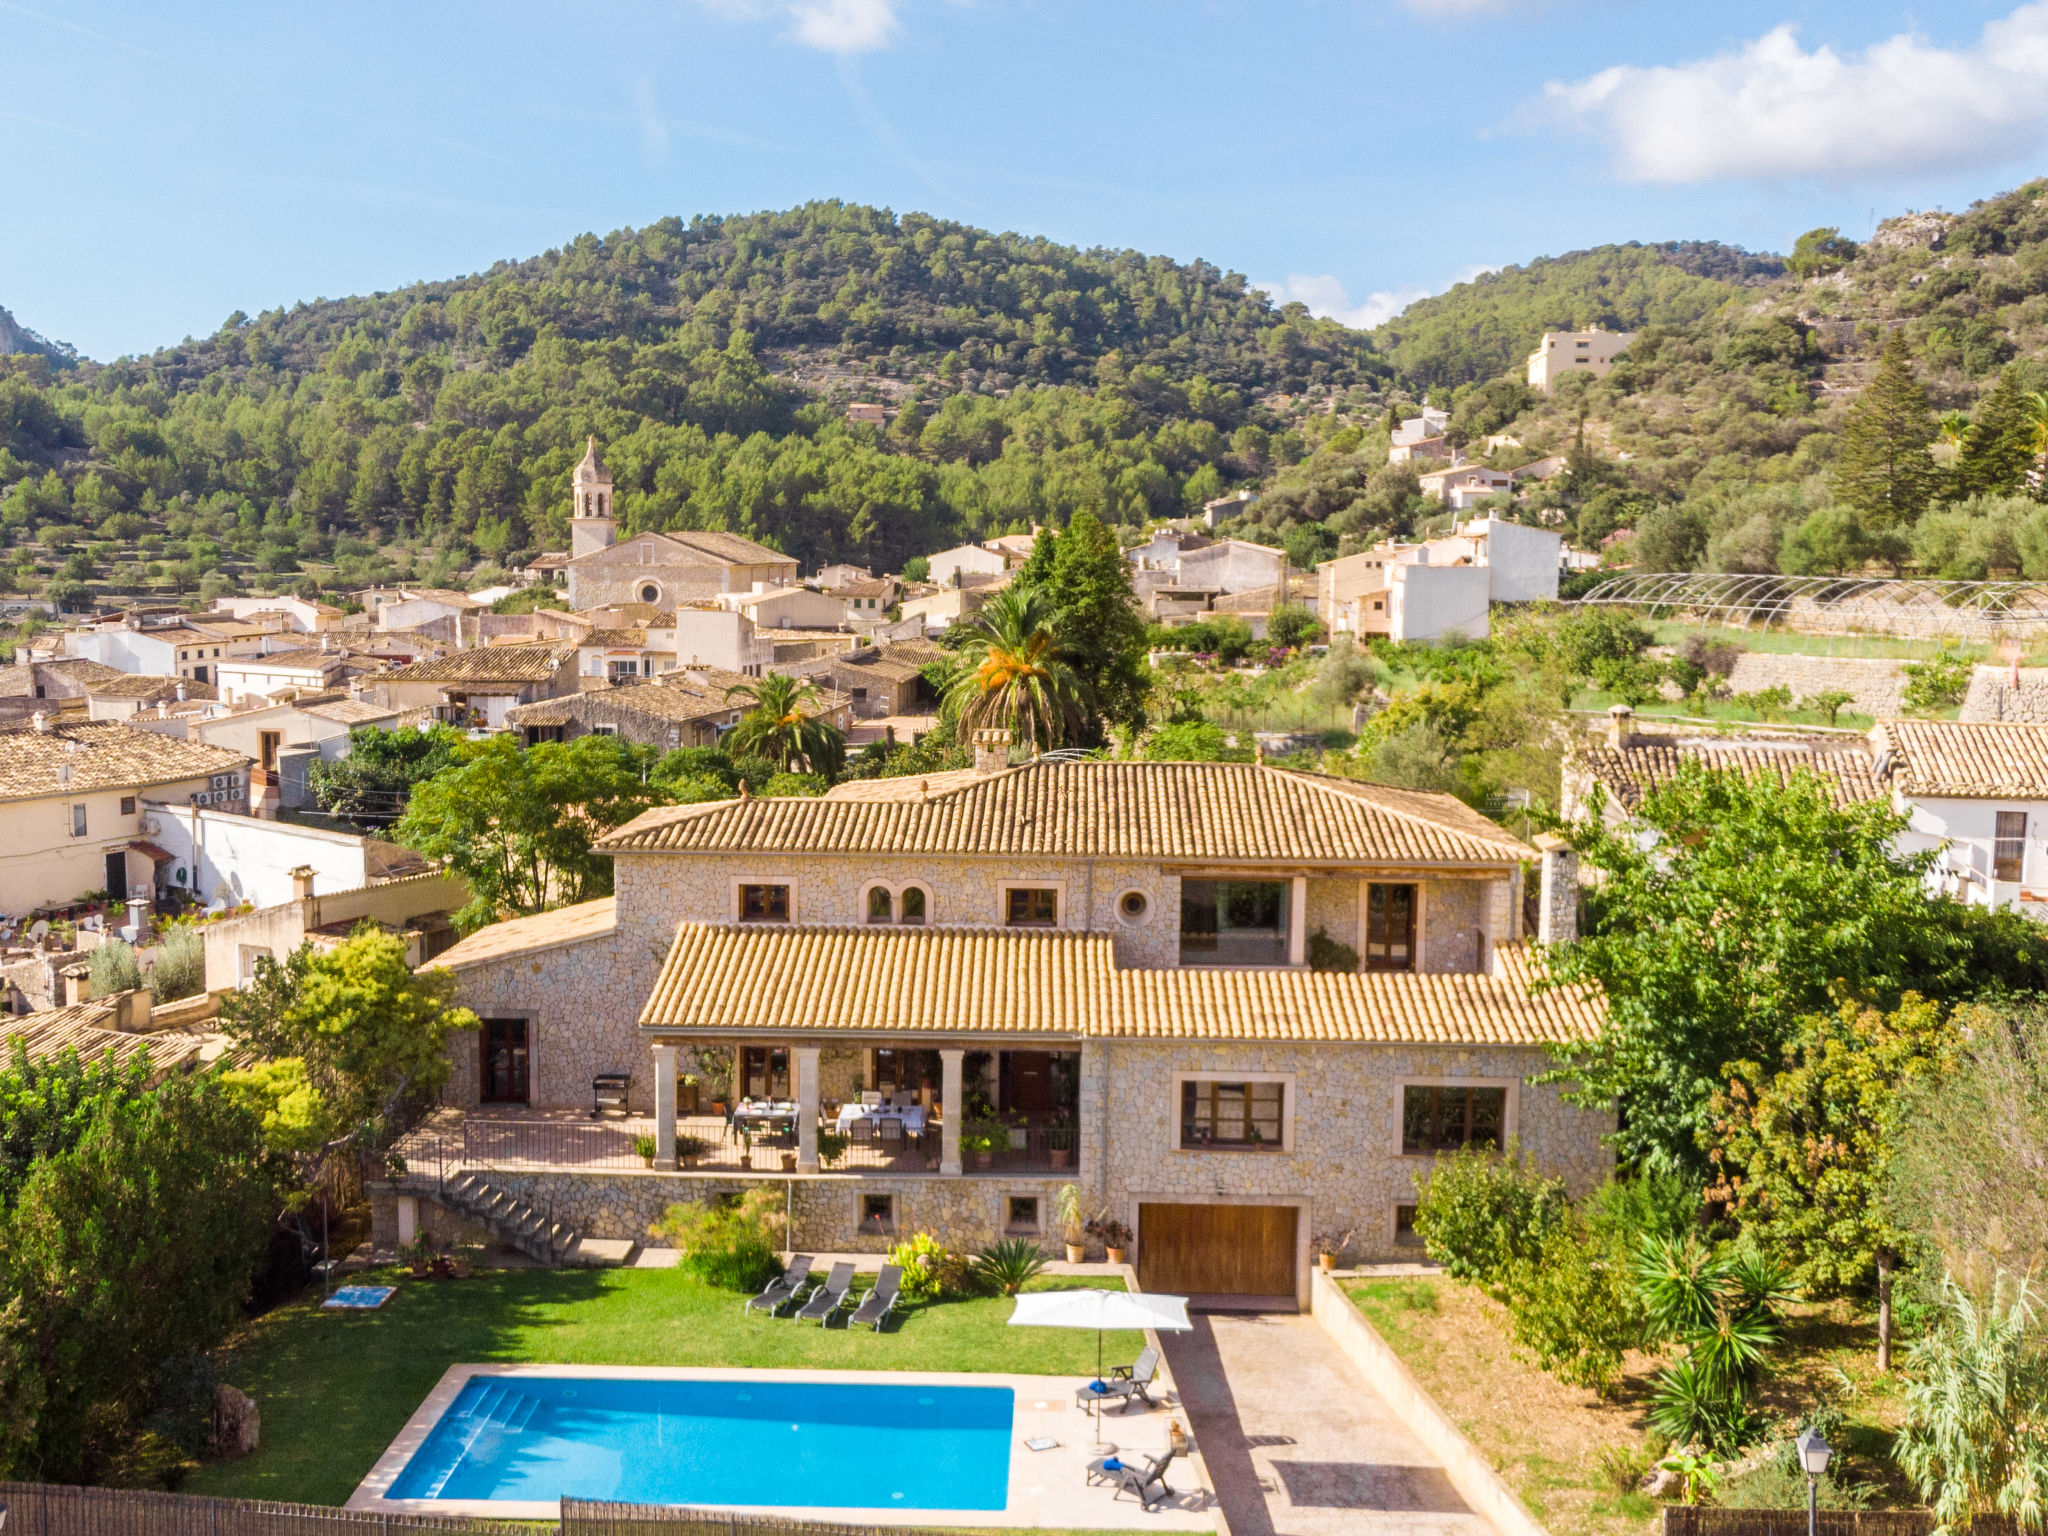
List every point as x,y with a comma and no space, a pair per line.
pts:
181,690
132,1011
991,751
41,722
1557,911
302,883
1621,726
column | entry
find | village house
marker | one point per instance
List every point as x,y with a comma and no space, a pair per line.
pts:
1441,587
75,801
1235,1005
1563,352
678,709
477,686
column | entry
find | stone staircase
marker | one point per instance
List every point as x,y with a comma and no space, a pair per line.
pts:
520,1226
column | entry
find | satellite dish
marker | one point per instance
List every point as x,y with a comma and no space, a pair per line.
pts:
40,929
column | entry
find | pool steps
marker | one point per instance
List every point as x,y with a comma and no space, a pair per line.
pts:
498,1407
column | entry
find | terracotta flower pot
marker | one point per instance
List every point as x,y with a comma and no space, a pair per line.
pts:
1327,1260
1076,1253
1116,1255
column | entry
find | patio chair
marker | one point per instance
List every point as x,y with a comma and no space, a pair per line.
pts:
829,1297
783,1288
1126,1382
1139,1482
876,1306
890,1132
862,1130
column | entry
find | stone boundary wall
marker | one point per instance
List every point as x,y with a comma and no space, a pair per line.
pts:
966,1212
1993,698
1469,1471
1876,686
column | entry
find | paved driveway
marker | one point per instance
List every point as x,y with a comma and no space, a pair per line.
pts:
1297,1443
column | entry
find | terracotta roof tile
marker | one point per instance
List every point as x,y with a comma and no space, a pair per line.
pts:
1190,812
1990,760
1843,764
523,935
83,1027
109,755
968,981
490,663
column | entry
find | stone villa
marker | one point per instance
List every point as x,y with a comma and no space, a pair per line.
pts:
1087,972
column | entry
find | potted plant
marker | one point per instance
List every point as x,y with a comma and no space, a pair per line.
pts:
689,1148
686,1094
1059,1140
831,1147
789,1160
1114,1236
643,1148
418,1256
1327,1245
746,1149
982,1143
1066,1210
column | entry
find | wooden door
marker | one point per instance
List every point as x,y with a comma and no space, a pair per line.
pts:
1208,1250
505,1076
1027,1082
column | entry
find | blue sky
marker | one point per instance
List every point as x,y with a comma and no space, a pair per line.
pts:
162,165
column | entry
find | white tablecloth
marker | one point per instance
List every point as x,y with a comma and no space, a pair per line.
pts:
910,1114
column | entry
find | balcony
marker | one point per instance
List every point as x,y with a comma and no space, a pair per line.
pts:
509,1139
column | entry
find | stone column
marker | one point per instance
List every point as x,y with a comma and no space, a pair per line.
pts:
803,1061
664,1106
1297,921
954,1100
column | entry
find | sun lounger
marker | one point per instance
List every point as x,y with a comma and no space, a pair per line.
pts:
1147,1484
829,1297
784,1287
1126,1382
876,1306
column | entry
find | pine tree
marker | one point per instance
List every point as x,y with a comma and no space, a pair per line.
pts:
1997,450
1884,470
1086,582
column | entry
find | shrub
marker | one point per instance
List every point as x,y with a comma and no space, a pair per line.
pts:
114,969
831,1147
729,1246
1575,1307
1936,684
1005,1266
1623,1467
931,1271
1327,954
1479,1212
180,964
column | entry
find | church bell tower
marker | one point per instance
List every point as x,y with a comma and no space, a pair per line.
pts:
591,527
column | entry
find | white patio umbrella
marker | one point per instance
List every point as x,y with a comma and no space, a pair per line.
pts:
1098,1309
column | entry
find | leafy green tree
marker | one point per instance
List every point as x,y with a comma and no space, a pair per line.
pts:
343,1039
114,968
1975,1440
1292,625
1479,1214
1884,470
518,823
782,725
1084,583
127,1242
1821,251
1574,1306
1191,741
370,786
1730,906
1804,1147
1995,449
1015,674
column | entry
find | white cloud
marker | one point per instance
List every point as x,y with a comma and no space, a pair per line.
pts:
1325,296
1773,110
836,26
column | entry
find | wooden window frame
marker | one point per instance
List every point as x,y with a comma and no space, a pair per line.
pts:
739,900
1286,1083
1011,888
2008,868
1510,1107
1415,904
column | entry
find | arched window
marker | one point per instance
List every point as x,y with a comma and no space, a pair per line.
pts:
881,908
913,904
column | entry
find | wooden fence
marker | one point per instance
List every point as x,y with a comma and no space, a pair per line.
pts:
47,1509
1696,1520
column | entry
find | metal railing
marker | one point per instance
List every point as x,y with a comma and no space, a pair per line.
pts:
990,1145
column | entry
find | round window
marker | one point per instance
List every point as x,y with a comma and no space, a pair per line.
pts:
650,593
1133,906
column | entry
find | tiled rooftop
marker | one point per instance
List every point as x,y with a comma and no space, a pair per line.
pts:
1947,757
489,663
1187,812
102,754
1842,763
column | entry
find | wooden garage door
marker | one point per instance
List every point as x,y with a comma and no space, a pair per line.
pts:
1239,1250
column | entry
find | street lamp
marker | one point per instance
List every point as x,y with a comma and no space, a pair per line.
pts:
1814,1455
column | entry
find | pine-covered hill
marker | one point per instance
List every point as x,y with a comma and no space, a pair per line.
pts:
417,432
1488,326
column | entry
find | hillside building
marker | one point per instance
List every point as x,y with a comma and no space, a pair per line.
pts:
1561,352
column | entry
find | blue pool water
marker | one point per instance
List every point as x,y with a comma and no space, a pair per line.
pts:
819,1444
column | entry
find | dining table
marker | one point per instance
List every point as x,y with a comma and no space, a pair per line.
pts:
911,1116
765,1117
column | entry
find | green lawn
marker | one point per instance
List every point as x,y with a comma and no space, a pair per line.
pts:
335,1388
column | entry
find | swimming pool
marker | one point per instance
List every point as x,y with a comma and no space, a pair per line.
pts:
805,1444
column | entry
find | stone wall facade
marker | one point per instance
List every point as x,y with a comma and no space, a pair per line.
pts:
1875,686
1993,698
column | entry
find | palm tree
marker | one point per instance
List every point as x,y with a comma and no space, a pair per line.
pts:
1951,429
1013,675
2034,412
783,726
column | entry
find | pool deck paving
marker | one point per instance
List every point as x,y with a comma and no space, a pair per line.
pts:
1046,1489
1295,1440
